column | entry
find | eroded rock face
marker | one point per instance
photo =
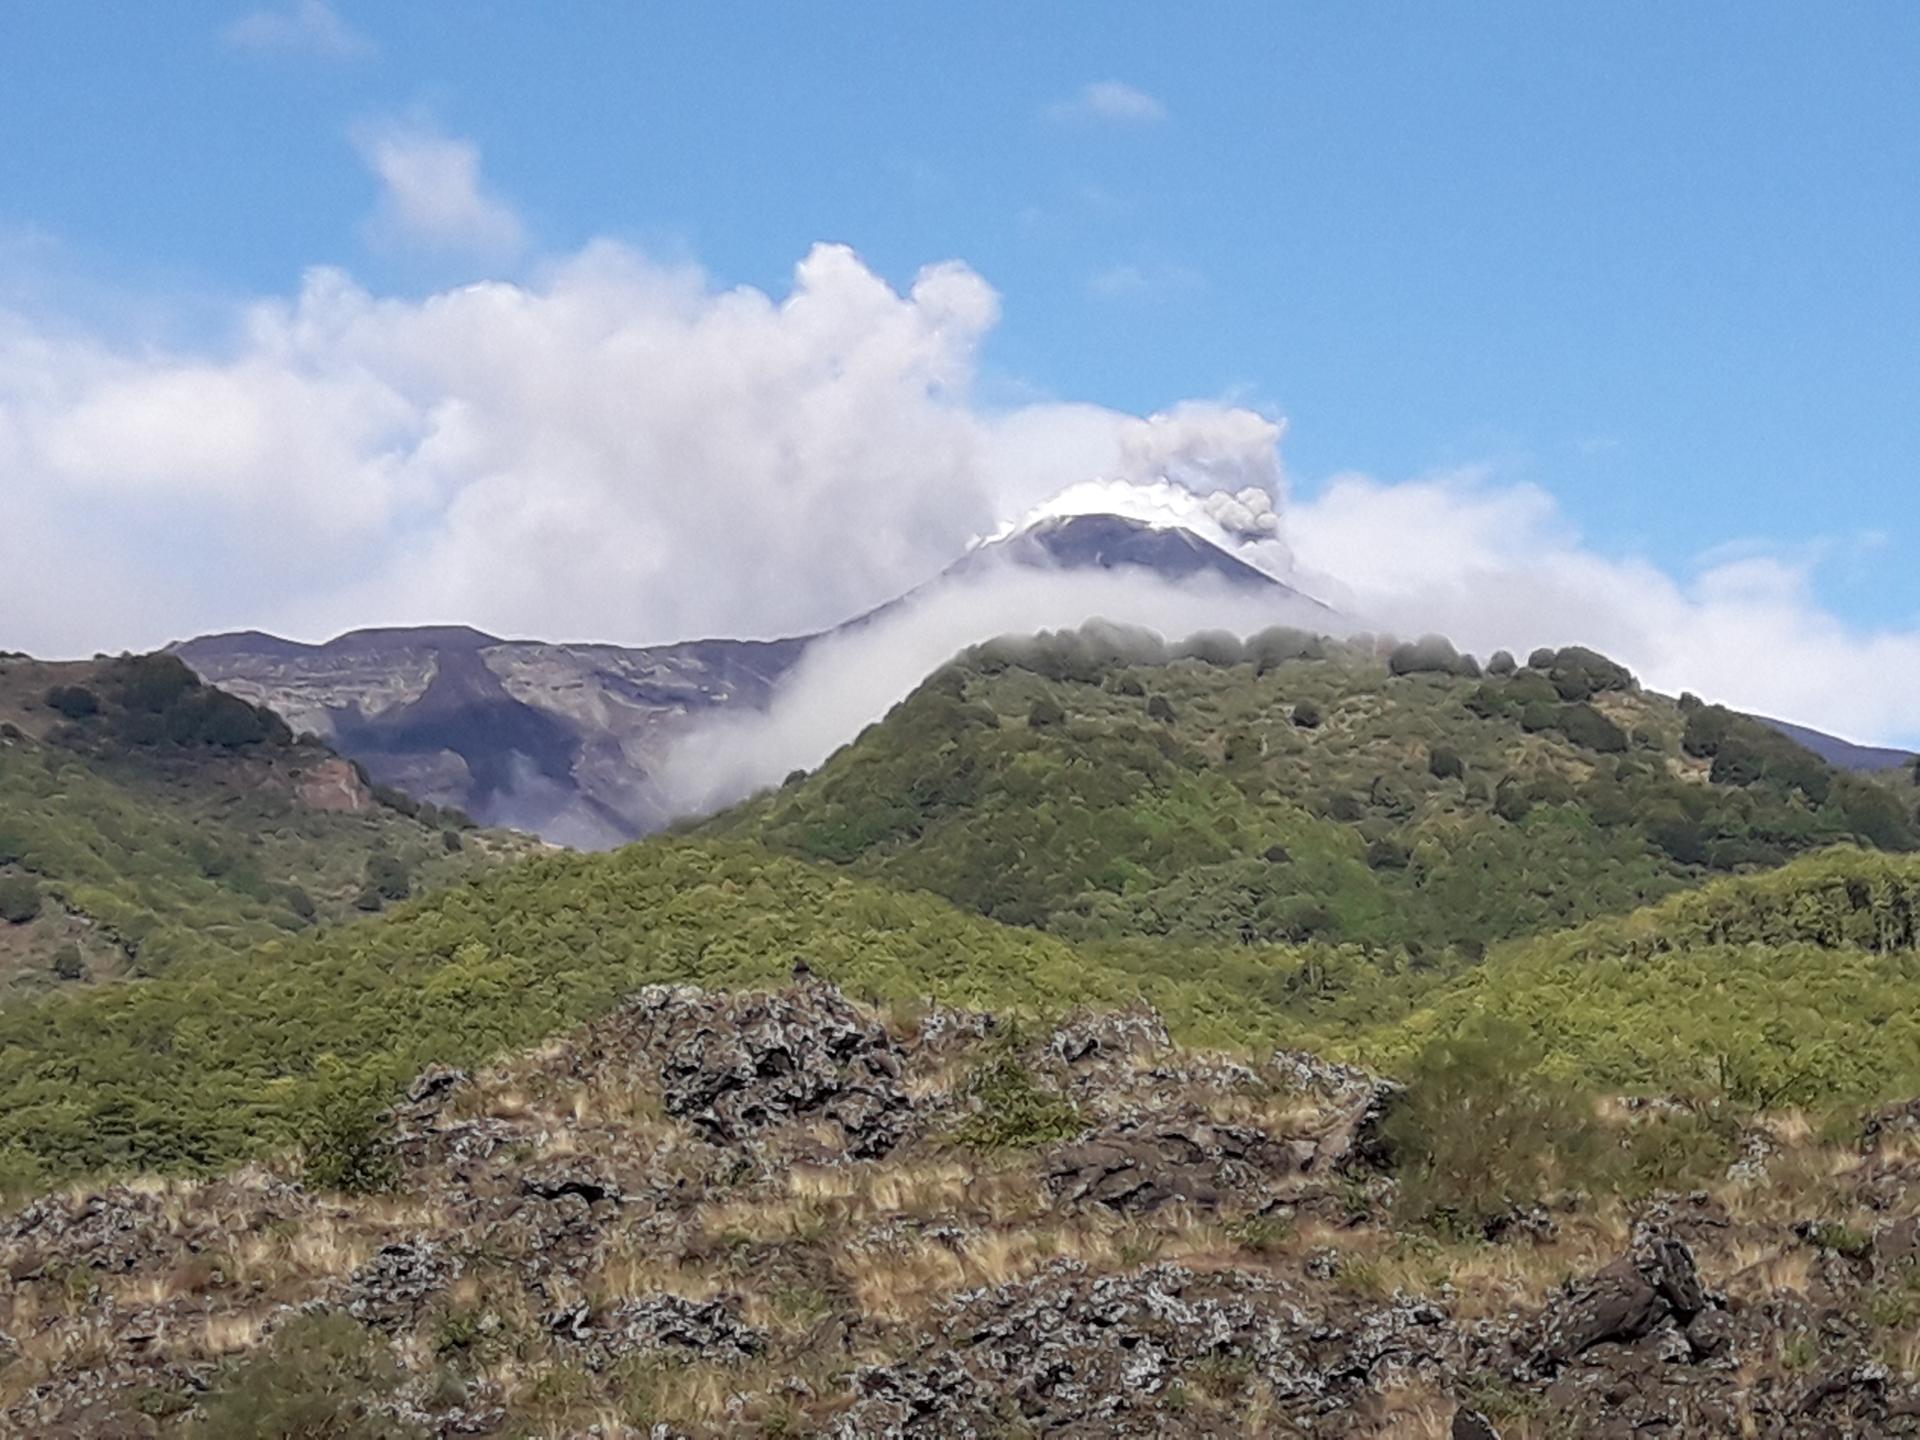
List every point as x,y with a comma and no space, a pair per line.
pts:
1070,1353
708,1329
1655,1286
735,1066
394,1286
1138,1166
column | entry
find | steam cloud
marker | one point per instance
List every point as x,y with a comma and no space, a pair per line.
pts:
617,449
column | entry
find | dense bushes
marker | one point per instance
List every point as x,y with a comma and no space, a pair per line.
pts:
1432,654
1451,812
151,700
234,1056
176,854
19,899
1478,1132
75,702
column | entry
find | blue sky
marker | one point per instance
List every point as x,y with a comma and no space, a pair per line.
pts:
1657,260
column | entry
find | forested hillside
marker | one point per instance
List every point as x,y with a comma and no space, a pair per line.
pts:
1099,784
234,1056
1613,1029
147,820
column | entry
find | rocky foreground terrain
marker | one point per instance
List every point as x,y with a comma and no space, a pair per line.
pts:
783,1214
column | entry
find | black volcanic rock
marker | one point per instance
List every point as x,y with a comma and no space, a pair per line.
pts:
1115,542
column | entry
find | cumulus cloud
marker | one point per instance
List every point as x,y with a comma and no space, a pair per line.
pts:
619,449
432,194
1494,565
1109,102
307,27
614,449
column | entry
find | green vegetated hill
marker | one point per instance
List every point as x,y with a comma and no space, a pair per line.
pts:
232,1057
147,820
1290,842
1099,784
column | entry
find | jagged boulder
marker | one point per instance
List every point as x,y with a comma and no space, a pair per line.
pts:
1140,1165
1069,1353
110,1232
1655,1285
708,1329
396,1285
735,1066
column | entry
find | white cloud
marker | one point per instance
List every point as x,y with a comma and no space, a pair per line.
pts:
1109,102
306,27
619,449
1496,565
850,680
432,194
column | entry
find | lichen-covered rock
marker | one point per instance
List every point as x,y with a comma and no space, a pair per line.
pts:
110,1232
1140,1165
1110,1037
1653,1286
709,1329
1069,1353
394,1286
735,1066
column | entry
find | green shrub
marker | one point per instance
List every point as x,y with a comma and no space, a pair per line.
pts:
1431,654
321,1377
19,898
1160,708
1044,712
76,702
68,963
1444,763
1306,715
1478,1131
1588,728
346,1143
1012,1110
388,877
1578,673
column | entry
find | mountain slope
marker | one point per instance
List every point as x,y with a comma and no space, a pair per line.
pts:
154,820
564,739
1844,754
555,739
1293,788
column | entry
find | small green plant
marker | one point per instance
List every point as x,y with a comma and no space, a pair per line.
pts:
1011,1109
321,1375
345,1143
1841,1238
1265,1235
1800,1351
68,963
